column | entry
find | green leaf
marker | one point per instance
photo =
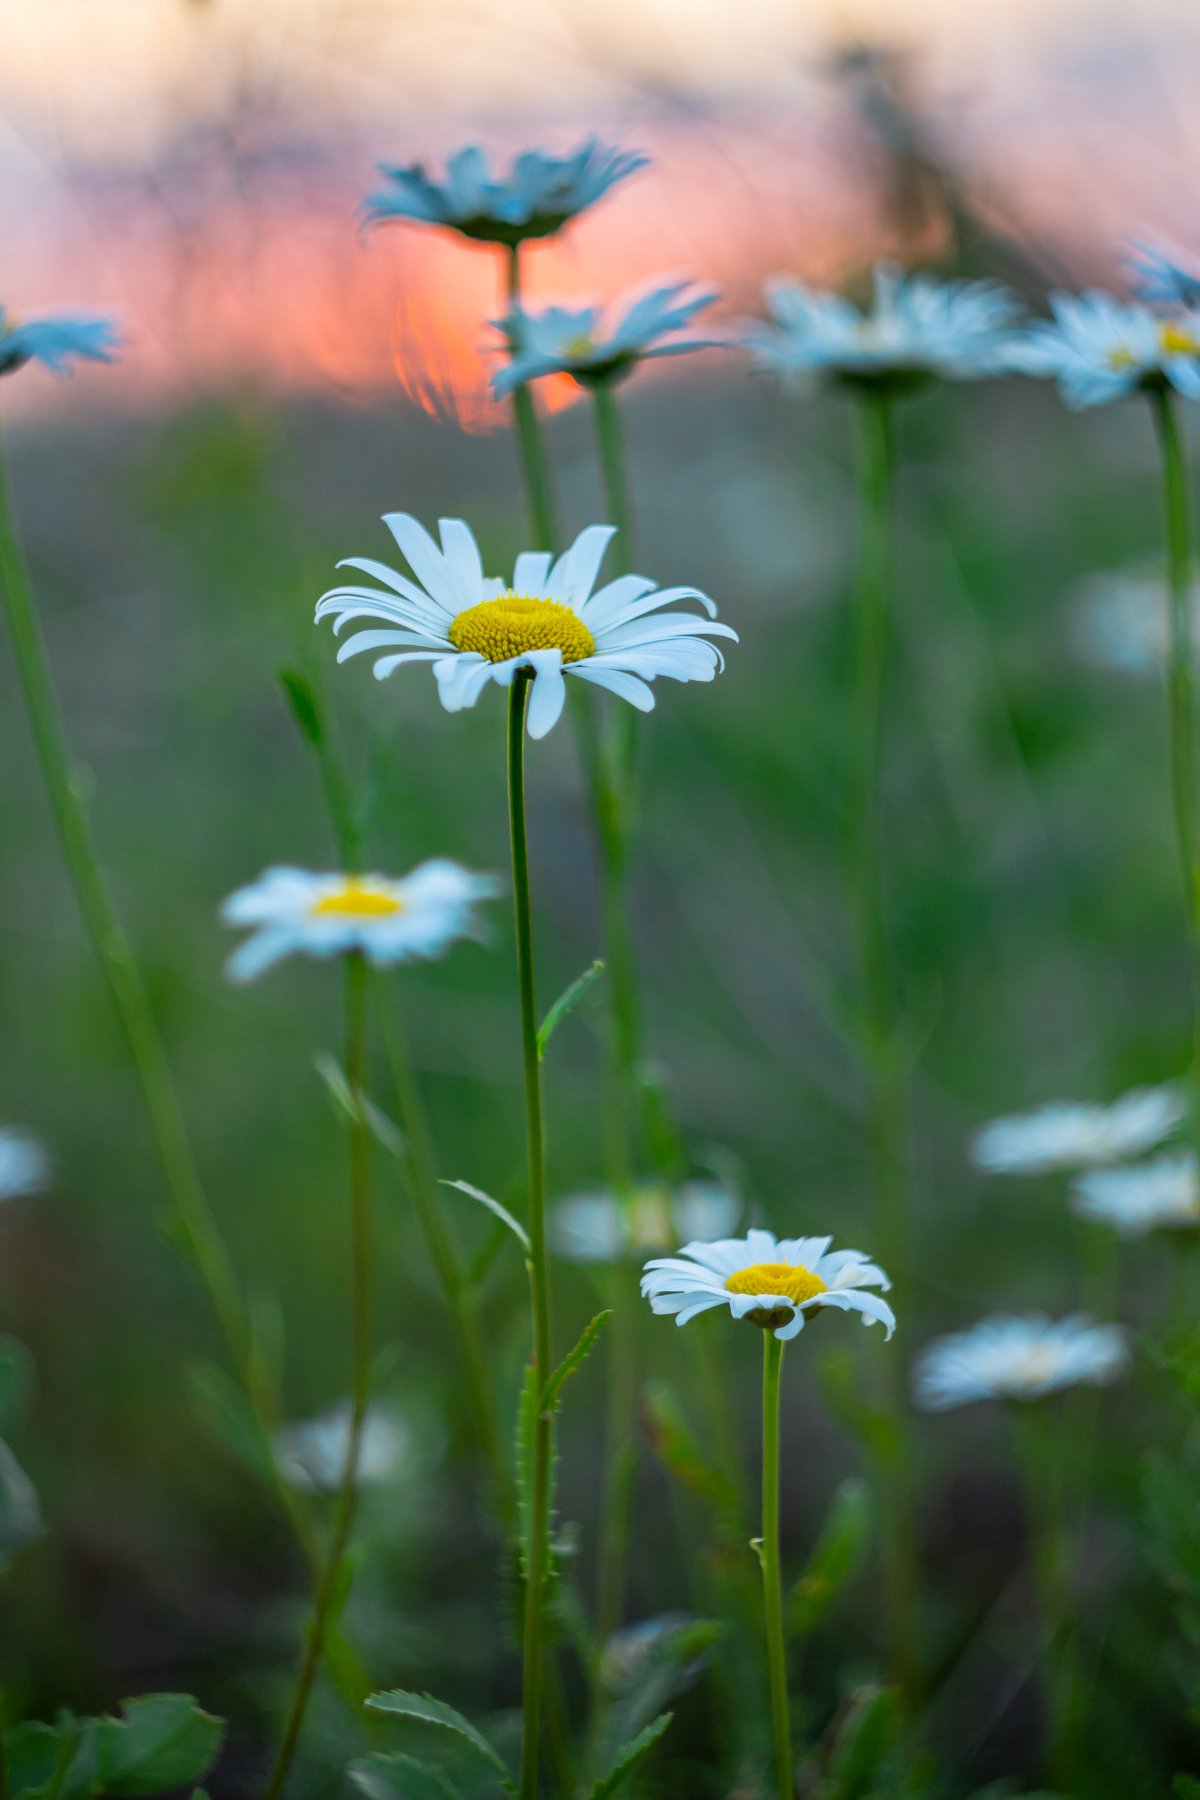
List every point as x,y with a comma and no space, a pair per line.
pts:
494,1206
223,1407
397,1777
16,1382
301,698
423,1707
865,1739
1186,1788
566,1003
161,1741
653,1666
384,1129
674,1444
20,1514
572,1360
44,1761
838,1554
629,1756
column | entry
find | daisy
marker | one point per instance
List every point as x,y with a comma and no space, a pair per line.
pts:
1162,1194
1099,348
1166,277
55,342
311,1453
598,1227
1075,1135
578,341
535,199
24,1165
773,1282
387,920
1017,1358
547,619
916,328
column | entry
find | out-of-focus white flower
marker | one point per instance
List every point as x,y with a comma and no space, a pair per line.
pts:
1122,619
551,618
1166,277
1017,1358
389,921
311,1453
772,1282
24,1165
1098,348
1162,1194
56,341
582,342
536,198
597,1227
916,328
1074,1135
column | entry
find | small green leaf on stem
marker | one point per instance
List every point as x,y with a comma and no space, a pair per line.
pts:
566,1003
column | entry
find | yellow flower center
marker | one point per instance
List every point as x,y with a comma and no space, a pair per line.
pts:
790,1281
513,625
583,345
1120,358
1174,340
356,901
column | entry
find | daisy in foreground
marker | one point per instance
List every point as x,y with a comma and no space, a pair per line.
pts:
536,198
1099,348
916,328
550,619
1017,1358
55,341
387,921
774,1283
1075,1135
581,342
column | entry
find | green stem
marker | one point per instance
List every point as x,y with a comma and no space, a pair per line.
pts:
327,1593
537,1574
877,985
529,435
1181,690
781,1728
1039,1435
421,1174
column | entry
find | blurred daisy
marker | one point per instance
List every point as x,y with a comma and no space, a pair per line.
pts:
24,1165
579,341
1166,277
916,327
1098,348
311,1454
547,619
1017,1358
56,342
536,198
1074,1135
597,1227
389,921
1122,619
772,1282
1160,1195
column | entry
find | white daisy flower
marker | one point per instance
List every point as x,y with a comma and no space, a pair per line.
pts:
1160,1195
24,1165
389,921
55,341
1166,277
1098,348
1076,1135
311,1453
535,199
579,341
547,619
1017,1358
917,327
1122,620
595,1227
772,1282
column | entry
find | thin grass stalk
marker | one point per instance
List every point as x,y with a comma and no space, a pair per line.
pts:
327,1594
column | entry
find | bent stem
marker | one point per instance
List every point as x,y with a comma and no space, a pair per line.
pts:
529,433
538,1565
1181,691
327,1594
781,1728
877,987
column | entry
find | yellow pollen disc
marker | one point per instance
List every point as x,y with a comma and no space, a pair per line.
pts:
1120,358
1175,341
354,901
513,625
790,1281
579,346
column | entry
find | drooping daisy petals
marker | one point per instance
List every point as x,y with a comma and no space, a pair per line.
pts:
56,341
1072,1135
583,342
1017,1358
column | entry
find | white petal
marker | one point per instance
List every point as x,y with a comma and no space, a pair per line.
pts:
617,681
